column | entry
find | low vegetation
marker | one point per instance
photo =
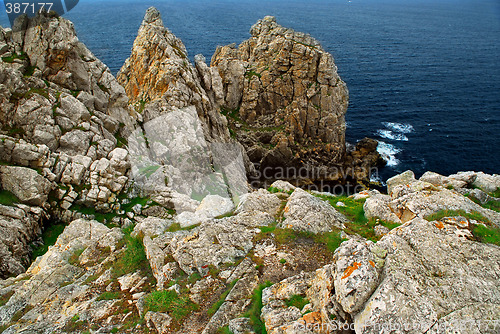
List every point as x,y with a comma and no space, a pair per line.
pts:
215,307
354,212
454,213
178,307
297,301
254,311
489,235
8,198
49,237
133,258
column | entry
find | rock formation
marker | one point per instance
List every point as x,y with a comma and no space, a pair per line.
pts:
286,103
63,116
161,233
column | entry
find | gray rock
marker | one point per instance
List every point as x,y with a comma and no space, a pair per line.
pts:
401,179
428,275
260,200
158,321
304,212
29,186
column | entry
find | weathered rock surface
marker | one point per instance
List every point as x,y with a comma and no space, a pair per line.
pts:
304,212
19,225
159,70
287,93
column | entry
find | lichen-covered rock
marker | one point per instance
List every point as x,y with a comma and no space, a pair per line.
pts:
377,206
356,275
283,87
304,212
401,179
428,275
159,69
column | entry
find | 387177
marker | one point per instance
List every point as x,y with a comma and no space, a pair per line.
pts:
28,7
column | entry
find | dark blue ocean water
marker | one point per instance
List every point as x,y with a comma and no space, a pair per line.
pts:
423,76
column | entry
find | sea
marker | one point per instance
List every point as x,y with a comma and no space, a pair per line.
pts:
423,75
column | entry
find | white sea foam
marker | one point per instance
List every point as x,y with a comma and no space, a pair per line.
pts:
388,152
388,134
399,127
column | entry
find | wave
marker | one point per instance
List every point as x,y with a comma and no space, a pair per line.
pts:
399,127
388,152
388,134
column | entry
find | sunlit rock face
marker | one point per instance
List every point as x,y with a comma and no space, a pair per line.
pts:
172,161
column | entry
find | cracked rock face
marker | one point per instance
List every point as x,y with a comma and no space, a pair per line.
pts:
283,88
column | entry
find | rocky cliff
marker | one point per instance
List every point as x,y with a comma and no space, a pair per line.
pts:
285,97
148,222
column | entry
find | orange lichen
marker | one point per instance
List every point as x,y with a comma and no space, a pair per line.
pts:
348,272
312,318
372,263
439,225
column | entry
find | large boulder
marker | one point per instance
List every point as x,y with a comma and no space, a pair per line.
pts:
29,186
304,212
159,70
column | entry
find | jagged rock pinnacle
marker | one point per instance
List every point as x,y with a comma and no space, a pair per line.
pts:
153,16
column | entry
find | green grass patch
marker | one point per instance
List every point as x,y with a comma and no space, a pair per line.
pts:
75,324
492,205
100,217
74,259
8,198
40,91
224,330
211,311
496,193
489,235
178,307
331,240
297,301
354,212
453,213
254,311
149,170
5,298
10,59
177,227
109,295
49,237
133,258
276,190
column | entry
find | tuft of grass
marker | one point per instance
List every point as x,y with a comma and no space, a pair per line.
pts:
496,193
177,227
453,213
224,330
492,205
74,259
282,261
10,59
100,217
331,240
215,307
488,235
8,198
75,324
49,237
254,311
133,258
109,295
354,212
178,307
297,301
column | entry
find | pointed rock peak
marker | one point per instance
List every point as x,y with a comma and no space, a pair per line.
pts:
153,17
